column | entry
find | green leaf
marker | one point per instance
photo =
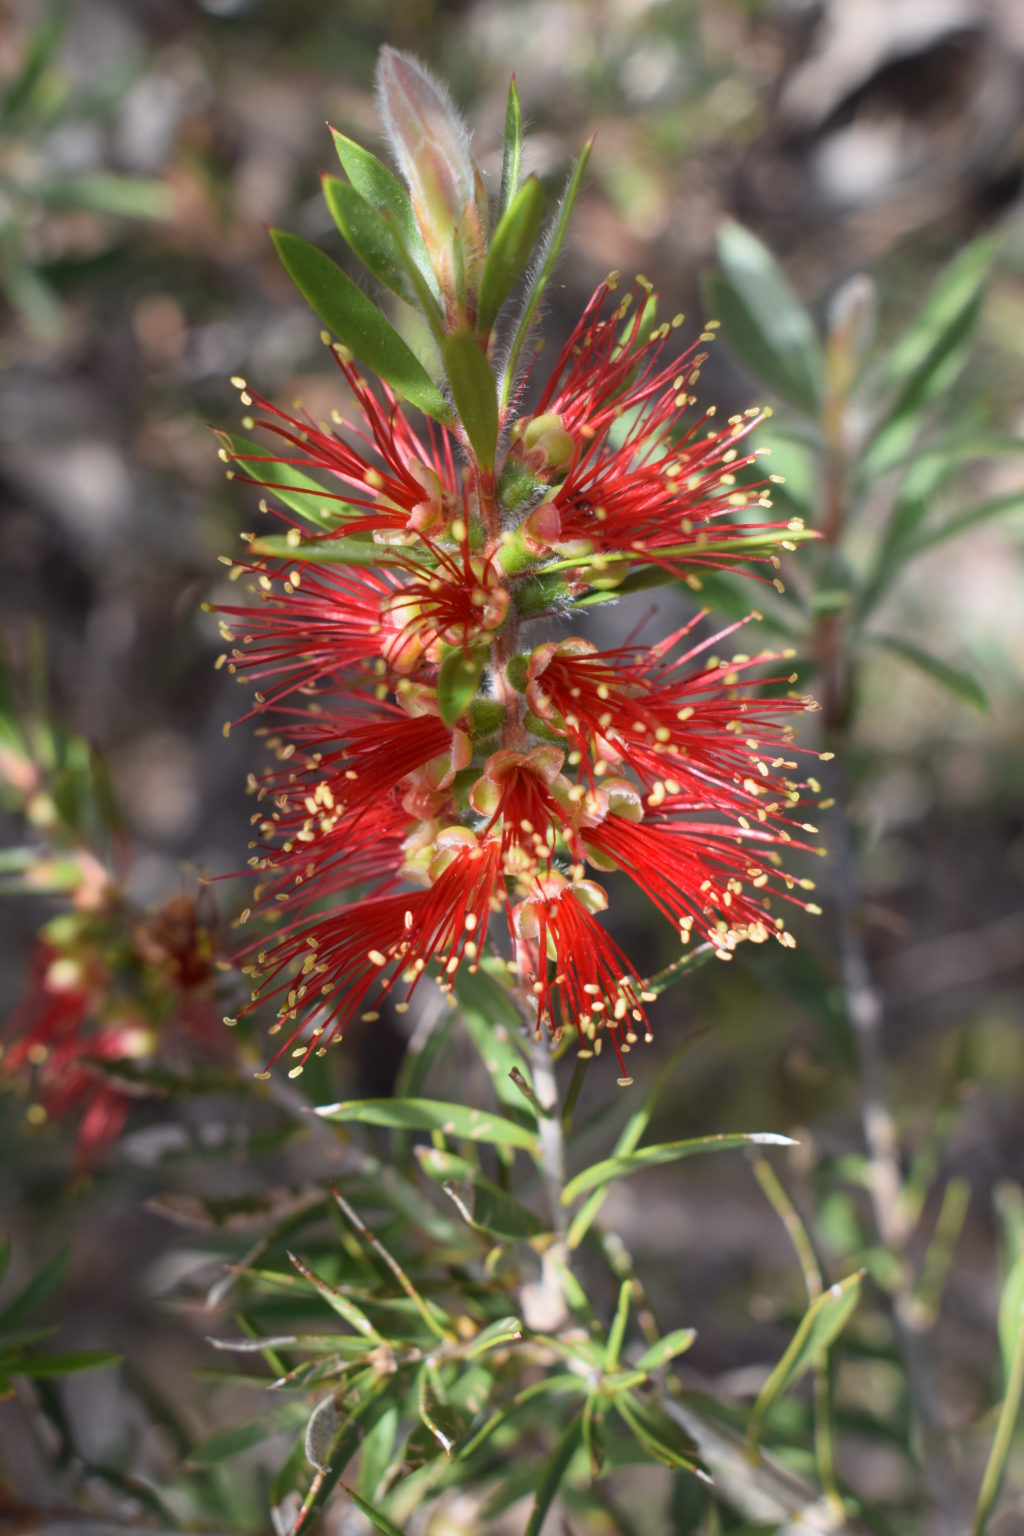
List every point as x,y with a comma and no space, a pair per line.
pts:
495,1026
371,237
998,506
359,324
125,197
512,150
339,1303
480,1202
656,1432
36,1292
554,1470
344,550
436,1412
824,1319
510,250
385,193
621,1167
925,362
63,1365
507,1330
617,1331
458,681
474,391
1011,1343
455,1120
675,1343
764,321
243,1437
550,248
954,679
629,1139
379,1521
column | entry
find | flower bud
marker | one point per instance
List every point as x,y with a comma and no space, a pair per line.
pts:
431,143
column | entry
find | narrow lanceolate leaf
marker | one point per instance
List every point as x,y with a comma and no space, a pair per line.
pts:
550,248
1011,1339
554,1470
36,1292
510,250
370,235
927,359
475,393
512,150
458,681
62,1365
289,485
359,324
379,1521
242,1437
436,1412
454,1120
507,1330
666,1349
344,550
665,1152
494,1023
954,679
385,193
764,321
963,522
629,1138
823,1321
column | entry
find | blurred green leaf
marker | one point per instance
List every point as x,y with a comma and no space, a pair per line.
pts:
243,1437
386,194
763,320
125,197
458,681
61,1365
963,522
507,1330
823,1321
657,1433
495,1025
675,1343
926,361
550,247
954,679
1011,1339
436,1411
455,1120
474,391
510,250
36,1292
359,324
554,1471
622,1166
17,94
512,150
379,1521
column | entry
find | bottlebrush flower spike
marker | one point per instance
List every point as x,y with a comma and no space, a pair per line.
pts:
443,795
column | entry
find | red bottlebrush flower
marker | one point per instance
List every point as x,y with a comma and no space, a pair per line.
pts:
326,971
307,630
54,1039
637,482
593,987
529,795
393,484
683,730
